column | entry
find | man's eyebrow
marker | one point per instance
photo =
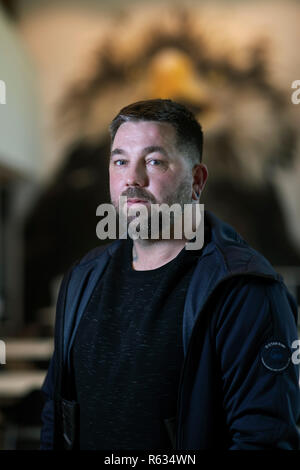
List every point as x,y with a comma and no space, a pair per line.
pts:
117,152
146,150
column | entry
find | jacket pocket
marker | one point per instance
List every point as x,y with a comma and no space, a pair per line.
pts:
70,421
170,424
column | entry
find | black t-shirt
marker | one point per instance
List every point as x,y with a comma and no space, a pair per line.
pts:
128,354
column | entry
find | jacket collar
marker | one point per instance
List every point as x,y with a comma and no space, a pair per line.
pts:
237,255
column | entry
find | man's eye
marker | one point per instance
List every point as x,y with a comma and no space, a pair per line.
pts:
155,162
119,162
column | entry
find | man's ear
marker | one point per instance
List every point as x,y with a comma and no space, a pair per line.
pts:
200,175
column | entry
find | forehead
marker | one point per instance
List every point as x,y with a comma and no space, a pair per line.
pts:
145,133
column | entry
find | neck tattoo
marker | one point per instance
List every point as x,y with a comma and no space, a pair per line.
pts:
134,254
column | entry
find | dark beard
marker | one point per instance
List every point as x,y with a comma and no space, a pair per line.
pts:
181,197
153,225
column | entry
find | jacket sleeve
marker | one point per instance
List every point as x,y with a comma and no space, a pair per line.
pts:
255,334
51,429
47,416
48,412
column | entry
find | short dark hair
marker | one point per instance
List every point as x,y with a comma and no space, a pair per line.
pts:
188,129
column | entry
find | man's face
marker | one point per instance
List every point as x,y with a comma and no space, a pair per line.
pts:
147,167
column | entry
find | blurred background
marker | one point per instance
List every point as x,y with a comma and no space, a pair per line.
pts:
66,68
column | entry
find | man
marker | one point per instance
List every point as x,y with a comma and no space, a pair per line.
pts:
160,347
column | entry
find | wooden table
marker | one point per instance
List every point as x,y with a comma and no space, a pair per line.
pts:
29,349
15,384
19,375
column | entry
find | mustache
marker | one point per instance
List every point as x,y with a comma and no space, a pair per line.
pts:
138,193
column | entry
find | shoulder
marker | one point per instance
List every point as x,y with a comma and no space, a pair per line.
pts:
252,299
96,253
230,250
93,259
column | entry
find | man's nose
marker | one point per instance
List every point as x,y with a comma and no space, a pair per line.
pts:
136,175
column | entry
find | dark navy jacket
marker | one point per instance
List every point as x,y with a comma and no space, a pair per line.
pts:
239,385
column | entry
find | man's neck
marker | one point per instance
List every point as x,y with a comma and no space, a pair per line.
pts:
151,254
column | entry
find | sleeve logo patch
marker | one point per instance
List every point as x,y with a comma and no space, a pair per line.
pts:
275,356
